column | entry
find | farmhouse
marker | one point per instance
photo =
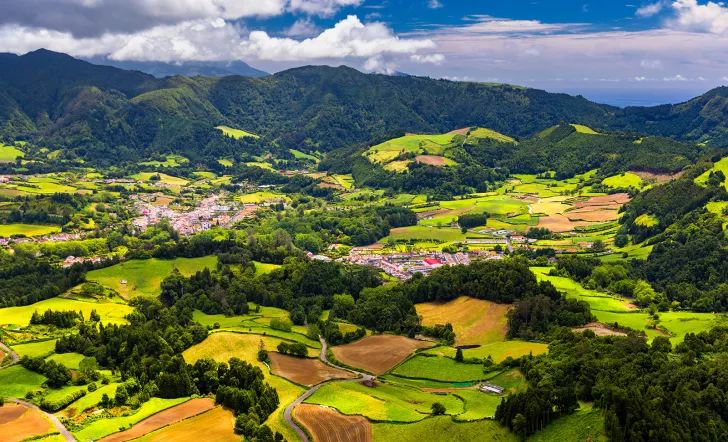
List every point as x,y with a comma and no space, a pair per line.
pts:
490,388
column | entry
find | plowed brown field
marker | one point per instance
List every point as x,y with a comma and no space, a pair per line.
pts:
378,353
20,422
305,371
326,425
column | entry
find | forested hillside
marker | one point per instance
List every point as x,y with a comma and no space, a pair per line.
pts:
95,111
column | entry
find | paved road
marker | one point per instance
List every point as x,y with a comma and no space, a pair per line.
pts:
64,432
61,428
7,350
304,396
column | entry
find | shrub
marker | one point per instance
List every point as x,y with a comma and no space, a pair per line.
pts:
54,406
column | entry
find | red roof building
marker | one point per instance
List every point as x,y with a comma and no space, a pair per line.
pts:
433,262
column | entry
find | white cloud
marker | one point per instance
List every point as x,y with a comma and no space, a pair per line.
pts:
207,40
639,78
724,79
348,38
532,51
485,24
651,9
379,65
325,8
691,16
677,77
434,4
651,64
428,58
302,28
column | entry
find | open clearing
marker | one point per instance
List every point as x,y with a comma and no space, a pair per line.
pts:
162,419
9,153
18,422
628,179
214,425
378,353
434,160
236,133
7,230
600,330
326,425
225,345
474,321
143,277
108,311
305,371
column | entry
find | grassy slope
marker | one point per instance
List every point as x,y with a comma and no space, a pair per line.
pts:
442,429
7,230
109,312
236,133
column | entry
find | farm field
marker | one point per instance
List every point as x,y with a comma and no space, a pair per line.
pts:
377,353
627,179
442,429
8,154
164,178
145,276
214,425
169,416
104,427
258,197
70,360
387,151
235,133
262,268
498,350
18,422
222,346
109,312
383,401
439,369
304,371
481,132
35,349
7,230
171,161
721,165
326,425
474,321
89,401
15,381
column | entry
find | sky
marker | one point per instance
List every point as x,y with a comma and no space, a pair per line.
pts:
623,52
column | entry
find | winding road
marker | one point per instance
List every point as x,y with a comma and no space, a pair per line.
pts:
289,410
58,424
7,350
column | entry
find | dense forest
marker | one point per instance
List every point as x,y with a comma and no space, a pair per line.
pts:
104,114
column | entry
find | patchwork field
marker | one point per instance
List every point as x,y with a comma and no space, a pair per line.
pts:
418,144
143,277
18,422
474,321
377,353
305,371
214,425
326,425
162,419
224,345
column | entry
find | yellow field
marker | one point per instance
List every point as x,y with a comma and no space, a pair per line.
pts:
8,230
110,312
214,425
235,133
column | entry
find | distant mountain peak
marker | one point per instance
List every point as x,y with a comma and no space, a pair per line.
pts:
188,69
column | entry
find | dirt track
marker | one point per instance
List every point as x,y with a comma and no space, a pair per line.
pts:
327,425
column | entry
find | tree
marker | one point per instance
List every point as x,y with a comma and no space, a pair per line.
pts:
459,355
519,426
438,409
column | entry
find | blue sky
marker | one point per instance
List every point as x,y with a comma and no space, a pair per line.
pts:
626,52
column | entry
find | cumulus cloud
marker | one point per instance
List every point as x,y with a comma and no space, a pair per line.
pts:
216,39
428,58
677,77
485,24
691,16
94,18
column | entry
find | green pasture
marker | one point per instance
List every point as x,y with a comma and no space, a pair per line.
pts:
439,369
226,163
258,197
721,165
70,360
143,277
35,349
481,132
263,268
54,394
442,429
15,381
478,405
9,153
646,220
103,427
7,230
597,300
418,144
299,155
44,185
498,350
627,179
206,175
90,400
236,133
584,129
385,402
585,424
163,178
171,161
109,312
